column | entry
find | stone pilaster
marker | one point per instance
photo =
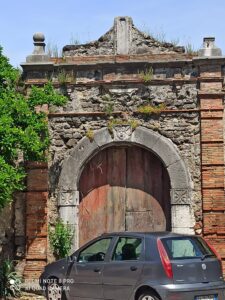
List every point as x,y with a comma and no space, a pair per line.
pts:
68,203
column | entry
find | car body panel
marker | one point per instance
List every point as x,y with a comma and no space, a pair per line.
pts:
190,291
87,281
196,271
120,287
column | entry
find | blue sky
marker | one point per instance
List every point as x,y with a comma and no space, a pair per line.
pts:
185,20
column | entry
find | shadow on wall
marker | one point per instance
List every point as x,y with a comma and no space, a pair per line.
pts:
6,233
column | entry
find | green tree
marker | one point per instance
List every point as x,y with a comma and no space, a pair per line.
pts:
23,131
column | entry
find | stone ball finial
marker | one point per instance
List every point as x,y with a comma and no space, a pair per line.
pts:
38,37
38,55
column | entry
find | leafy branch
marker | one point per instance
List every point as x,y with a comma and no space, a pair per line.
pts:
10,282
23,131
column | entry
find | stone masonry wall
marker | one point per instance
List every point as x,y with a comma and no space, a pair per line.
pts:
128,98
180,122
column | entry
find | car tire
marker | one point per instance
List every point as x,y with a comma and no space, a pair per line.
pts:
54,291
148,296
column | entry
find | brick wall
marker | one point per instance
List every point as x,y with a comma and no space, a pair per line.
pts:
36,219
212,156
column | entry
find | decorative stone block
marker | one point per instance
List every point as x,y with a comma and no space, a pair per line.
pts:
180,197
68,198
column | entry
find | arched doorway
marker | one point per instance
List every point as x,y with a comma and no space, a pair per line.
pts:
181,186
123,188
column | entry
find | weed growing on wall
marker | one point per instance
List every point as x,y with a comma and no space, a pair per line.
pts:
61,239
120,122
189,49
108,104
149,109
90,134
146,75
65,77
53,50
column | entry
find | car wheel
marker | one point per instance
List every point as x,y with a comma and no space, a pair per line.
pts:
54,291
148,296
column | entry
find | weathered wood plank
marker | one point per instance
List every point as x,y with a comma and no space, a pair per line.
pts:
116,193
93,189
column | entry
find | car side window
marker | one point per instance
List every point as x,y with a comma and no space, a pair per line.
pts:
127,248
95,251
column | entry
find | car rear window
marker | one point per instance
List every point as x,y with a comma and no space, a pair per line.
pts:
187,248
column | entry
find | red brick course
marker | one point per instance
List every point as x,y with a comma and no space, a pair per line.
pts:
210,70
207,103
211,130
34,268
206,86
212,177
214,199
214,223
212,154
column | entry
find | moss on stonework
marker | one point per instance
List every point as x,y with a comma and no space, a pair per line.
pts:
149,109
90,134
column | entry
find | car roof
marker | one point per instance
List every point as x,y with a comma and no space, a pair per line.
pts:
155,234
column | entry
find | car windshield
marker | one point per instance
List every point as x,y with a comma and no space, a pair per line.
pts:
187,247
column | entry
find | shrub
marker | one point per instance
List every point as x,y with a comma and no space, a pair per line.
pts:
10,282
61,239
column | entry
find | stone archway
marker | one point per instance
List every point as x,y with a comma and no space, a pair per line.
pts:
181,188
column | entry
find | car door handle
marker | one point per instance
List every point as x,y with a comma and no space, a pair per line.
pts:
97,270
133,268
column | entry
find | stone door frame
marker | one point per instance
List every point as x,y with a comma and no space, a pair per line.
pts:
182,218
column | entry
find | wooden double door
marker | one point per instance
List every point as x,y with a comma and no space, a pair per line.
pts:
123,188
